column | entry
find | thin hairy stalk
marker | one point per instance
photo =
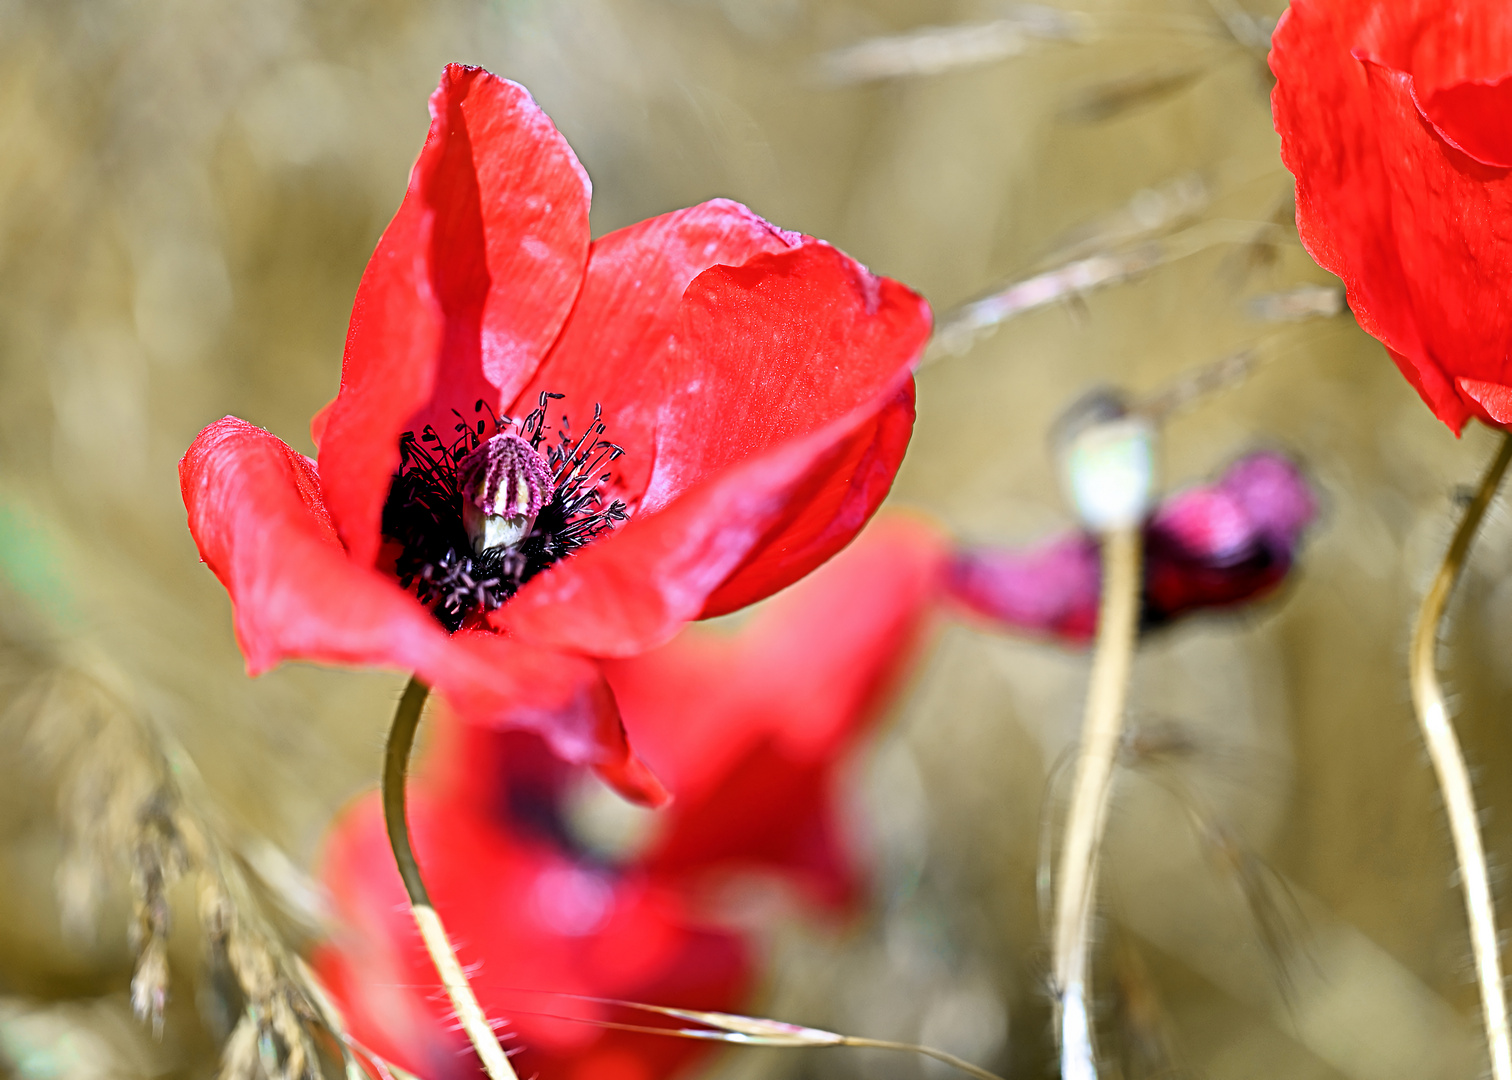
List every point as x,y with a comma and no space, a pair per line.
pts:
1102,729
960,328
737,1030
1454,777
395,765
928,1051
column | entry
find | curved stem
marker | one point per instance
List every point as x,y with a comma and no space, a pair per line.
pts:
1102,727
395,764
1453,777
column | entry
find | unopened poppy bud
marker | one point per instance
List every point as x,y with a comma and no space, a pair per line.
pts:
504,483
1108,464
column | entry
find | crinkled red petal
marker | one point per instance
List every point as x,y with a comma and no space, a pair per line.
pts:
773,350
1391,118
1494,398
612,352
846,489
469,286
1458,59
256,514
789,380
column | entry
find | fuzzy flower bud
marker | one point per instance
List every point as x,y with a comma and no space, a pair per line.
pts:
504,483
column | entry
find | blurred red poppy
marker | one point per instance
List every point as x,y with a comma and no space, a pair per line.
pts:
1218,546
699,409
747,729
1396,119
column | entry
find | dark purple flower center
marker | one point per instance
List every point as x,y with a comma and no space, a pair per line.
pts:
478,517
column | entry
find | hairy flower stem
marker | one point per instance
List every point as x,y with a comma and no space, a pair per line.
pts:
1454,777
1102,727
395,765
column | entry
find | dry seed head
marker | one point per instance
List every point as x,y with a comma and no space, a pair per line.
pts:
126,802
149,986
299,1056
216,914
239,1057
254,966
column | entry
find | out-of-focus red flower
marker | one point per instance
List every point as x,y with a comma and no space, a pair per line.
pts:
747,730
1396,119
1209,547
738,396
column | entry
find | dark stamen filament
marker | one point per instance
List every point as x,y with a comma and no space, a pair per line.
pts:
424,511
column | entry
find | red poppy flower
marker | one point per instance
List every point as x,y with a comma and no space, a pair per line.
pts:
698,409
1210,547
746,728
1396,119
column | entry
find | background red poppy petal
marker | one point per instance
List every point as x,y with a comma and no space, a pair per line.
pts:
255,512
467,289
612,350
1418,229
535,926
751,759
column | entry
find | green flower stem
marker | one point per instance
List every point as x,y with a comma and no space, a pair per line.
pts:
395,764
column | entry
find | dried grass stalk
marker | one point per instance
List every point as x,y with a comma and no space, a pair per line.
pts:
133,808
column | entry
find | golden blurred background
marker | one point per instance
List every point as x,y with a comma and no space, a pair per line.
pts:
189,190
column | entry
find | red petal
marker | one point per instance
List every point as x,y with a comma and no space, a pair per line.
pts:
509,684
255,512
1495,398
637,587
468,287
1476,118
846,493
526,919
773,350
750,757
1458,60
1390,196
790,380
612,350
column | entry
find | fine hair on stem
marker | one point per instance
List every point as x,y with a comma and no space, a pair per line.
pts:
395,767
1452,773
